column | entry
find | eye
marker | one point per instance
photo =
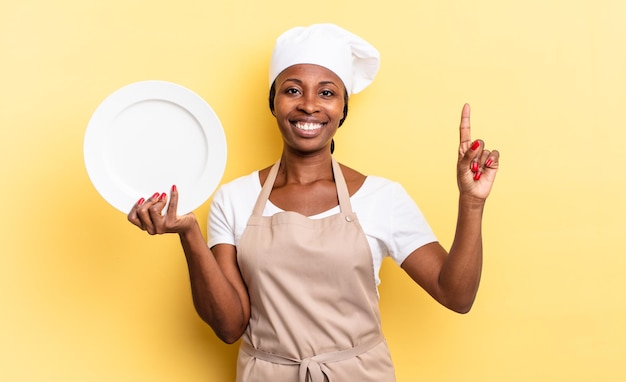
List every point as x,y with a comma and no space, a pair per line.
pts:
292,91
327,93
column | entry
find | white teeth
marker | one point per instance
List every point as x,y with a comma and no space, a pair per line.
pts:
307,126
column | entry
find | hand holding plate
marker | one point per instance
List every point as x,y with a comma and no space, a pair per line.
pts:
148,215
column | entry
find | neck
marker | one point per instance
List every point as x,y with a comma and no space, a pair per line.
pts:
305,170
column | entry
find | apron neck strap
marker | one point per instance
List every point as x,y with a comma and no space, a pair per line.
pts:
342,189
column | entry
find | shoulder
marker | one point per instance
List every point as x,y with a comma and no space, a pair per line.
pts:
368,186
380,188
243,187
232,203
383,195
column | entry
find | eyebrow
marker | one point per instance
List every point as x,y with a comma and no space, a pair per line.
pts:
297,80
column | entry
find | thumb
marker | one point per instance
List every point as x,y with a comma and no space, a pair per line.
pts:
173,206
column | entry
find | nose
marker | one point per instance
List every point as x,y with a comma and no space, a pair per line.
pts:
308,103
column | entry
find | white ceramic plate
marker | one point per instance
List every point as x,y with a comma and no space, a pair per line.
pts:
150,135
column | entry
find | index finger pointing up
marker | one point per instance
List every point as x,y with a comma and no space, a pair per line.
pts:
464,130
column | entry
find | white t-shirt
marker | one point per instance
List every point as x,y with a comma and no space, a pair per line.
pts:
392,222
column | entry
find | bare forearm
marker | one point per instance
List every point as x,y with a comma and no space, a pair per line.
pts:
215,299
460,275
452,277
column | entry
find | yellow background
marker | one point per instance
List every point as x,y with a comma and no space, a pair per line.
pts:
87,297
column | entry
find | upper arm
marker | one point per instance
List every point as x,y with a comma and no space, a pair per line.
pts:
226,258
221,231
424,266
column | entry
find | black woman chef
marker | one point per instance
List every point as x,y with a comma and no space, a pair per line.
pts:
291,266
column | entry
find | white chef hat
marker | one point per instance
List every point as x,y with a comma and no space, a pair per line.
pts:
351,58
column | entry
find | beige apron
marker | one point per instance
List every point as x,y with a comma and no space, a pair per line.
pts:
314,304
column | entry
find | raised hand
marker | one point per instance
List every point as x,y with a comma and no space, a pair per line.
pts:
477,166
148,215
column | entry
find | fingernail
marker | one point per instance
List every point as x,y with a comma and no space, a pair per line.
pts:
156,195
174,188
163,196
140,202
475,145
489,162
477,175
474,166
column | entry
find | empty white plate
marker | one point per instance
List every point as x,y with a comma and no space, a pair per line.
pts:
150,135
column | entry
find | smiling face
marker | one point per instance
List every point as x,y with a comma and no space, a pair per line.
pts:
308,106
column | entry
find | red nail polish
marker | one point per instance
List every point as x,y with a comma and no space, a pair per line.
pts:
474,166
163,196
174,188
477,175
155,196
140,202
475,145
489,162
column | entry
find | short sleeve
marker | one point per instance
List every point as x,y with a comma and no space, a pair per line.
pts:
221,220
231,208
409,229
392,222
